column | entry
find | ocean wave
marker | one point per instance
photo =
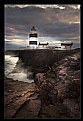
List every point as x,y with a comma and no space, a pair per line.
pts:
10,66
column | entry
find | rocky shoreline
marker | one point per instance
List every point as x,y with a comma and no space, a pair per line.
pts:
55,92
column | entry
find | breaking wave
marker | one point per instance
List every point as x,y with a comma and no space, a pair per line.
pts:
10,66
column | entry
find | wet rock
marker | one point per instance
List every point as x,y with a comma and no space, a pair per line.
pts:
44,90
30,75
53,96
74,88
34,97
75,61
47,93
73,106
16,94
29,110
9,112
58,110
75,65
67,85
39,77
55,92
41,57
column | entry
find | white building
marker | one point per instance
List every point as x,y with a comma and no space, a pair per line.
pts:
33,38
33,42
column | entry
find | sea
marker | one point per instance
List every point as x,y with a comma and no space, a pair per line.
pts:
11,61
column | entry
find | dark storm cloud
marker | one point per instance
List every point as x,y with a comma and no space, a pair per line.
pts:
49,21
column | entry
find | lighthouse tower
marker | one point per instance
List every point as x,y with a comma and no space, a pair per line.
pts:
33,38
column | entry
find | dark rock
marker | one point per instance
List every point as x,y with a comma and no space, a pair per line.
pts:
16,94
41,59
75,65
29,110
30,75
56,90
73,106
74,88
46,88
58,110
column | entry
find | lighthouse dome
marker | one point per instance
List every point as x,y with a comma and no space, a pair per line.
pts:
33,32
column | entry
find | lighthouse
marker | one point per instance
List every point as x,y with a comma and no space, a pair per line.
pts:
33,38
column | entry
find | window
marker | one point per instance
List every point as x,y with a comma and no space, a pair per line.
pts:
33,35
33,42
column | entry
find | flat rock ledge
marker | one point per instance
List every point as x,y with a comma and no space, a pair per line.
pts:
21,101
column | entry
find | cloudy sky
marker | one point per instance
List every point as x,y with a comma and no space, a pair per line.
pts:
59,20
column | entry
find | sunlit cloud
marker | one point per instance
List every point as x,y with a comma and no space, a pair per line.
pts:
41,6
15,39
71,22
75,6
44,6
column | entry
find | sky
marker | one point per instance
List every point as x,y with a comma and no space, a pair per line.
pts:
44,6
59,20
